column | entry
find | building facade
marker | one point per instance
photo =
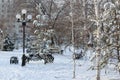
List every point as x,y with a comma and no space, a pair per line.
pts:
6,20
8,23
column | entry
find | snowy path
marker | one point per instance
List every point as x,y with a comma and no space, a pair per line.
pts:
34,70
61,69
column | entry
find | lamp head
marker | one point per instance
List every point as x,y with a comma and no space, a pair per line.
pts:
29,17
24,11
18,17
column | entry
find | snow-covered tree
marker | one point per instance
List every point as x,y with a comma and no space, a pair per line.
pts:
107,33
45,23
8,44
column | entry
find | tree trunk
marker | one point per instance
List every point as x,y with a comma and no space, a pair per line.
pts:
72,28
117,37
85,17
118,53
98,40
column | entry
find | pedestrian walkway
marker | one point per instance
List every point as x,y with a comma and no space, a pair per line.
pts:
106,78
114,79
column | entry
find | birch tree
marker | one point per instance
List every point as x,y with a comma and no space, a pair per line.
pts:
72,30
108,27
98,41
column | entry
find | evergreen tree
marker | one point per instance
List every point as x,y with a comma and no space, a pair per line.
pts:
8,45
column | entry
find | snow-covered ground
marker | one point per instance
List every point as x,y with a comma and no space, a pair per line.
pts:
61,69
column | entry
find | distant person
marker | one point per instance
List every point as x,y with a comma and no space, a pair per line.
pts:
23,60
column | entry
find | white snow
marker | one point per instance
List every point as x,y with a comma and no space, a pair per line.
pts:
61,69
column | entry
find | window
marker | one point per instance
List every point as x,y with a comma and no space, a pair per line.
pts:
2,16
3,10
2,6
8,1
2,0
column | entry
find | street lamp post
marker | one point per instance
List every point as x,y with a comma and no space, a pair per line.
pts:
22,18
